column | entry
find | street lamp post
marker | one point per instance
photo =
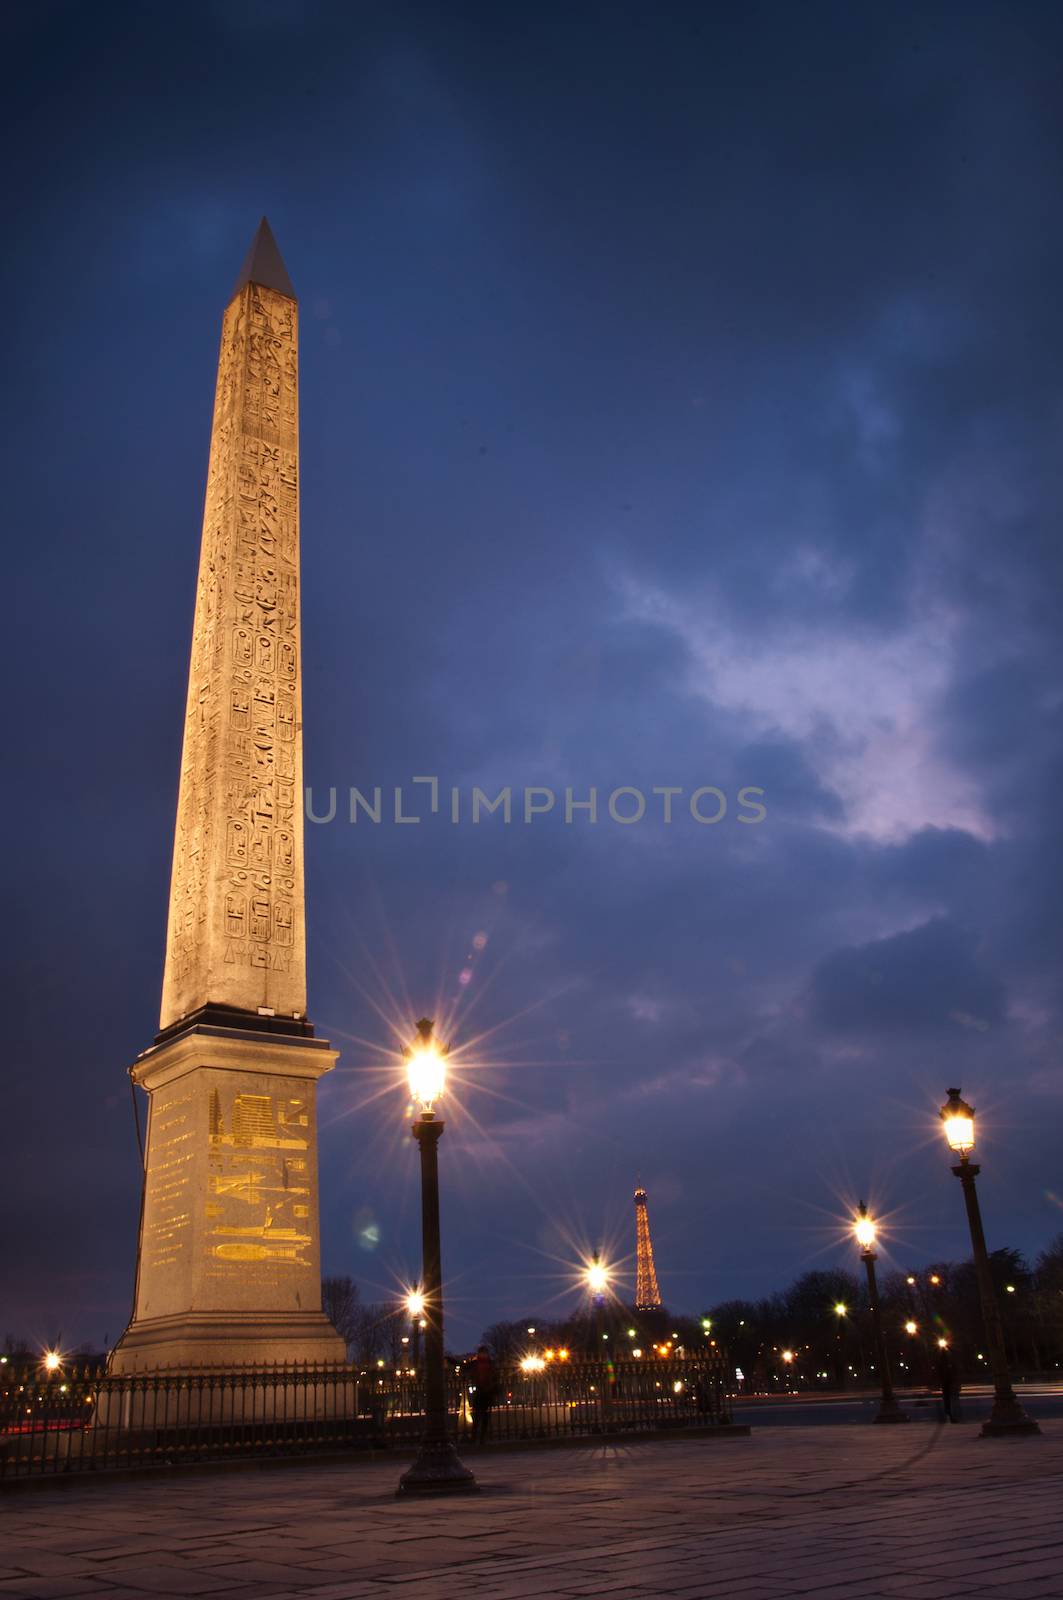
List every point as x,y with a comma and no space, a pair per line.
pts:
864,1231
914,1332
1007,1415
415,1311
597,1283
841,1311
437,1469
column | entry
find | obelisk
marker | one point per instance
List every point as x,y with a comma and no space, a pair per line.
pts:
228,1269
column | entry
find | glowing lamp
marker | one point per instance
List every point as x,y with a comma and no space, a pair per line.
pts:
958,1119
864,1229
787,1356
597,1277
415,1303
426,1066
52,1361
911,1327
841,1309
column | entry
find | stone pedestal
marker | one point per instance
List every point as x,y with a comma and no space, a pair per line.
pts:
229,1271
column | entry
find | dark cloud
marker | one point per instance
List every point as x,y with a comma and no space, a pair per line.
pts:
929,977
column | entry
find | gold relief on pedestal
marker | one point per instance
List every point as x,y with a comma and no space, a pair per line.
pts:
259,1193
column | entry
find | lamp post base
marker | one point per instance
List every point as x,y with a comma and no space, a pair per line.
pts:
1007,1418
437,1470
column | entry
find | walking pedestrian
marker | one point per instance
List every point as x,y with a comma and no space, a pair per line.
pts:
485,1385
947,1382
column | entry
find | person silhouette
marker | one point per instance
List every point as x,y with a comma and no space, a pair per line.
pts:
947,1384
485,1385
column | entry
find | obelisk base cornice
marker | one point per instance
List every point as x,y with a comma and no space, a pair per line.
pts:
222,1016
201,1045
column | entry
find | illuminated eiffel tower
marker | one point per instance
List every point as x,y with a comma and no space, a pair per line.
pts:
647,1290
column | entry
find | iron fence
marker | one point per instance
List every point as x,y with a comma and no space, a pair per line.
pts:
83,1420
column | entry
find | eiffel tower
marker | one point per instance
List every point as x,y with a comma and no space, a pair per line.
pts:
647,1290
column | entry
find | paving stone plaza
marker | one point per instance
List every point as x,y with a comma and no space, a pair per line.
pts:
848,1513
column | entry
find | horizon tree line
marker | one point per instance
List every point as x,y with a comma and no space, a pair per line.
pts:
826,1346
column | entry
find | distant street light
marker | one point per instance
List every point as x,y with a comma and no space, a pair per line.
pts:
865,1232
841,1311
437,1469
597,1277
415,1312
1007,1415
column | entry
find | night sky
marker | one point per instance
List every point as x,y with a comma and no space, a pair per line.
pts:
681,405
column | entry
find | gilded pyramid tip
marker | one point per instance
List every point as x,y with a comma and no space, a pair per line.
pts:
264,264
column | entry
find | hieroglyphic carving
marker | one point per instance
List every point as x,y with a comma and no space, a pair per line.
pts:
260,1206
168,1198
236,924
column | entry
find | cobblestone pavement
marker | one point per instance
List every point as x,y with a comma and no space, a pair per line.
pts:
824,1512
